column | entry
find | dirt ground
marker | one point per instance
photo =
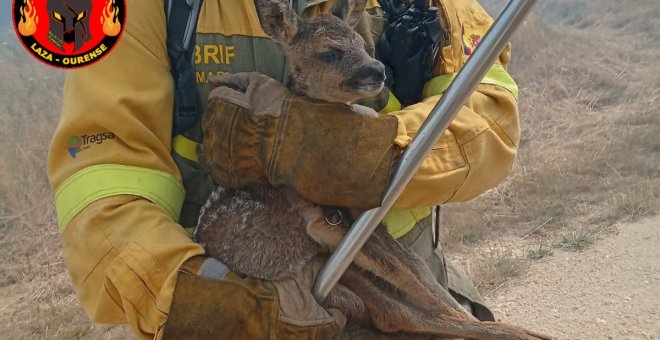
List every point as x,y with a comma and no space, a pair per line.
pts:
609,291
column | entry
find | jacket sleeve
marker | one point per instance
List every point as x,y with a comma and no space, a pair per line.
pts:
118,192
479,148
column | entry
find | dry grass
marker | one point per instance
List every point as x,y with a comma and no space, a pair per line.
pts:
590,113
589,158
497,268
539,253
36,297
576,240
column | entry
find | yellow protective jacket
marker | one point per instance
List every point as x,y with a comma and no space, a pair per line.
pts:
119,193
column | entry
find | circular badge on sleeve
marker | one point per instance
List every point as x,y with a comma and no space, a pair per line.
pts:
69,33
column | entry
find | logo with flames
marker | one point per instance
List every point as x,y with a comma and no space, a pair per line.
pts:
471,38
69,33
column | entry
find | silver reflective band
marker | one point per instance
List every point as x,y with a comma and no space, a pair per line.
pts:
213,269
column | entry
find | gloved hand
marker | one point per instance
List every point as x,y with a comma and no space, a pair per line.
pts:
257,132
211,302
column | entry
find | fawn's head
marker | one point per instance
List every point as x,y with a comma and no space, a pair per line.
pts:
327,58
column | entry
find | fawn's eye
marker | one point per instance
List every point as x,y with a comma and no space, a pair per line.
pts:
331,56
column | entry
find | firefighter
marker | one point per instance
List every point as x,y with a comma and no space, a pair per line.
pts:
125,199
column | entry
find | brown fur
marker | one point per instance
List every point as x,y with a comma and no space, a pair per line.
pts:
308,43
270,233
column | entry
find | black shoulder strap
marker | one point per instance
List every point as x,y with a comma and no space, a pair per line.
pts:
182,18
435,226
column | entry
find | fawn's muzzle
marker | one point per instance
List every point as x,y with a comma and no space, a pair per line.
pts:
370,77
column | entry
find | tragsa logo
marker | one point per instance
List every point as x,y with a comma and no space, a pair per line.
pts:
78,144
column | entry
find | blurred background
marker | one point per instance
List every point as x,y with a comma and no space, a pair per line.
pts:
589,161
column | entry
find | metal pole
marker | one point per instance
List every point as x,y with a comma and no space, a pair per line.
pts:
439,119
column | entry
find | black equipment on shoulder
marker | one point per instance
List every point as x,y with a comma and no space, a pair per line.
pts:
181,16
409,47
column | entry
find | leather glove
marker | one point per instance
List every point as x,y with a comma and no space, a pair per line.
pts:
257,132
211,302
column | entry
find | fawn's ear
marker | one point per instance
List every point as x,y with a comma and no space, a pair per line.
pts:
349,11
278,19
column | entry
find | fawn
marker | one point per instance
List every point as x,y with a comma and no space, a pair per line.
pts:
268,233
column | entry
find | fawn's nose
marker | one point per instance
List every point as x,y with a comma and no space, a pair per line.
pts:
373,72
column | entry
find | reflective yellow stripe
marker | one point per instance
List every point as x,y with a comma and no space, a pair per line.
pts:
392,105
185,147
497,75
400,221
99,181
190,231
